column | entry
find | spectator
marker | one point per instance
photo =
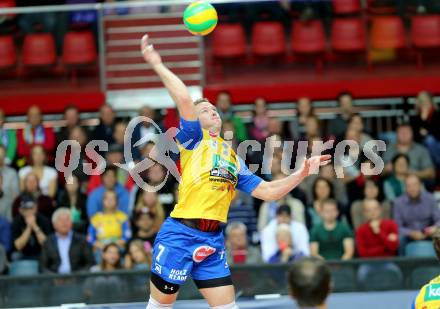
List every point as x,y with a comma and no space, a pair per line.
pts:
416,212
111,259
300,236
65,251
285,253
109,182
5,235
113,156
34,133
224,108
48,176
244,212
104,131
72,198
356,124
239,250
8,140
109,226
149,202
45,204
370,192
119,133
138,255
419,159
79,134
9,186
322,190
145,131
268,209
309,282
377,237
144,228
426,125
338,126
29,230
394,185
72,120
259,130
298,124
331,239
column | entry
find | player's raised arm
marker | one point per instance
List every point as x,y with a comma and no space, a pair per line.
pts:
174,85
274,190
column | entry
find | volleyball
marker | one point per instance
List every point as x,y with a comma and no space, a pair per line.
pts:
200,18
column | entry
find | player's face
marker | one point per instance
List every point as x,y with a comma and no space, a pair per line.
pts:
208,116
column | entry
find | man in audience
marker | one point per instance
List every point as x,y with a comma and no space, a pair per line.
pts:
309,281
419,158
65,251
9,186
8,139
378,237
416,213
34,133
104,131
72,120
300,236
331,239
224,107
239,251
109,182
29,231
338,126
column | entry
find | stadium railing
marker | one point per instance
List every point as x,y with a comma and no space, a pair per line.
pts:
250,280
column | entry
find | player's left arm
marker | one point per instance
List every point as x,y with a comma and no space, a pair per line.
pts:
276,189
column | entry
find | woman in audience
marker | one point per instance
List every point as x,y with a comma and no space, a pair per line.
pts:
138,255
298,124
109,226
394,185
72,198
322,190
371,191
47,175
149,202
260,127
356,123
45,204
80,135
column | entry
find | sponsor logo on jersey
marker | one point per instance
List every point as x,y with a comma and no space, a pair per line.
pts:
158,269
432,292
202,252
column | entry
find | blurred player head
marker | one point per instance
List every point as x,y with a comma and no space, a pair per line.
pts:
208,115
309,282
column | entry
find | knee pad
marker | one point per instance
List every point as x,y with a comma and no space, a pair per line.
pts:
153,304
228,306
164,286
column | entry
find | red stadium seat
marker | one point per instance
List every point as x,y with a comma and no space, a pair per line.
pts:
346,6
348,35
229,41
39,50
387,32
425,34
308,37
8,54
79,48
268,39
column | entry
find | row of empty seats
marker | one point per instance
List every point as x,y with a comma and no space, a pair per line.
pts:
347,35
39,50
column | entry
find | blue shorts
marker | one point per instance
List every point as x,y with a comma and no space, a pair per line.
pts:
180,251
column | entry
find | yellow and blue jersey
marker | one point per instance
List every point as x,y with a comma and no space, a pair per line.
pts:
211,172
107,227
429,296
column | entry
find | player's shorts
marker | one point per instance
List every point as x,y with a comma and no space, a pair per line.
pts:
180,251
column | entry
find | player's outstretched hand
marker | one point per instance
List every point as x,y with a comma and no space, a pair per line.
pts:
150,54
311,165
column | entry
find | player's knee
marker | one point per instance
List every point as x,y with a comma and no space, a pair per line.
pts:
153,304
228,306
164,286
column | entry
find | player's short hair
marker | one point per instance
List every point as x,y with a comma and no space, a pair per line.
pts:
436,243
201,100
309,281
235,225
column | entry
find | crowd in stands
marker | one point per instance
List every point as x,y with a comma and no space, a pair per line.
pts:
106,222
